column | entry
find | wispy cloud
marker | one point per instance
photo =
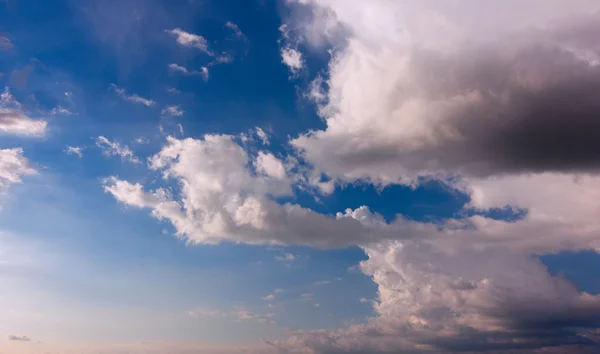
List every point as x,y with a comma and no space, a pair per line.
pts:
74,150
202,312
323,282
172,111
132,98
288,257
19,338
113,148
190,40
236,30
203,72
5,43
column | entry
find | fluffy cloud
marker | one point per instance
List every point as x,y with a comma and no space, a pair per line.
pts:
501,106
402,103
13,166
223,199
14,121
132,98
114,148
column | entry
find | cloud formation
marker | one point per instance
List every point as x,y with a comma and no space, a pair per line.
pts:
114,148
19,338
132,98
190,40
13,166
14,121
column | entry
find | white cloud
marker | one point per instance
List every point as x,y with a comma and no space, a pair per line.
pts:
74,150
113,148
323,282
292,58
60,110
268,297
264,137
173,91
405,97
178,68
132,98
270,165
236,30
13,121
288,257
172,111
190,40
203,72
202,312
13,166
223,200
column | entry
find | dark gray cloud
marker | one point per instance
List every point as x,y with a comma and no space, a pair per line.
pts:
526,103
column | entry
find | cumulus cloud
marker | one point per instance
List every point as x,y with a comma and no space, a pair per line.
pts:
132,98
114,148
190,40
290,55
14,121
223,199
13,166
402,103
497,104
292,58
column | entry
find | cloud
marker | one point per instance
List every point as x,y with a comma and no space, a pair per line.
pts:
245,315
60,110
132,98
268,297
13,121
401,103
19,338
269,165
499,107
288,257
264,137
5,43
13,166
201,312
74,150
224,200
323,282
180,69
113,148
172,111
236,30
190,40
292,58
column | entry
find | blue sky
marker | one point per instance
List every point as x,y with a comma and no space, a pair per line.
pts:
293,176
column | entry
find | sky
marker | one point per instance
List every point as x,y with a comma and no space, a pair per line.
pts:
299,176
